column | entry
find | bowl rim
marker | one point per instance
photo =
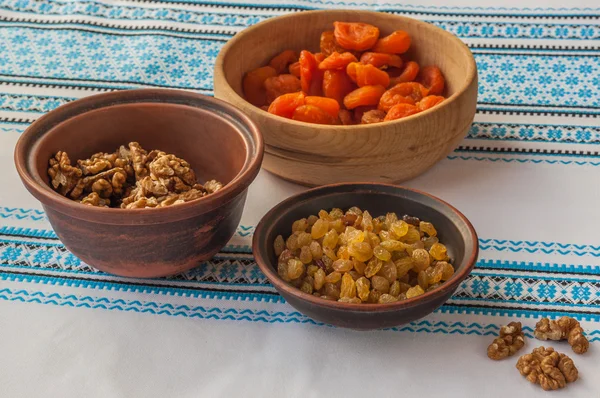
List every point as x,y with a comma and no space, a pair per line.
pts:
263,263
80,107
220,71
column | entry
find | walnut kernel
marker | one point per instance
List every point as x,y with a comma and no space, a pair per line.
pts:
509,341
565,328
548,368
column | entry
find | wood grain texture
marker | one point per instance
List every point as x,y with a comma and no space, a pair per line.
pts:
389,152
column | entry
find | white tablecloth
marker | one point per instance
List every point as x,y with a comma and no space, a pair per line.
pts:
527,176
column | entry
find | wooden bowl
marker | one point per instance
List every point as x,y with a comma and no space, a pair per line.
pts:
218,140
454,230
388,152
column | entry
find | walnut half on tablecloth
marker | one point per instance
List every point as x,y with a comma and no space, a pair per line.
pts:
510,340
128,178
565,328
548,368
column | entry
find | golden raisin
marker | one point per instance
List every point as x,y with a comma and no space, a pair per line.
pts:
304,239
343,265
395,289
361,251
279,245
399,229
305,255
403,265
295,268
428,228
414,292
319,279
373,267
363,288
331,239
380,283
319,229
381,253
315,250
387,298
389,271
393,245
438,251
334,277
348,288
359,266
421,259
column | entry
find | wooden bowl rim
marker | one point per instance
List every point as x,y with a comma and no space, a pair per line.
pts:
219,70
78,108
263,263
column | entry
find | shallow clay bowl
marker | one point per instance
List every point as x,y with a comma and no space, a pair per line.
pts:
454,230
388,152
218,140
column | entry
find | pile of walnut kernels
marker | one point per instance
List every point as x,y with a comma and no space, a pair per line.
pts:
544,366
128,178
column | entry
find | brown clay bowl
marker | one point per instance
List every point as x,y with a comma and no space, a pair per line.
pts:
388,152
454,230
218,140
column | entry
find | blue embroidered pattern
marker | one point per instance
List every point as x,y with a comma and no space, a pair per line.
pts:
479,29
69,54
535,132
104,52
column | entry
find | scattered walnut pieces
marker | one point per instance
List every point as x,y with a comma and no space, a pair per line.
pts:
128,178
510,340
548,368
565,328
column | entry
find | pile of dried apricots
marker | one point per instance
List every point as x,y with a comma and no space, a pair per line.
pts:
357,78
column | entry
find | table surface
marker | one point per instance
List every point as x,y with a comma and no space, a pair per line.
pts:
527,176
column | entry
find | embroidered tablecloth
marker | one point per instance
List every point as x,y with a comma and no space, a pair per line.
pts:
527,176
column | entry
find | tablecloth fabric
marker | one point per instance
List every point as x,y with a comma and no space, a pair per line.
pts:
527,176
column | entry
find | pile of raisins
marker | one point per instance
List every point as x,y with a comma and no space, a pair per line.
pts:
352,257
356,78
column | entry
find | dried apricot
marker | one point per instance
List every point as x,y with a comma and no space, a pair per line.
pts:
281,61
432,78
328,45
373,116
346,117
380,60
355,35
294,69
367,75
401,110
329,105
337,84
359,111
396,43
429,102
408,73
310,76
286,104
312,114
279,85
254,84
367,95
403,93
337,61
